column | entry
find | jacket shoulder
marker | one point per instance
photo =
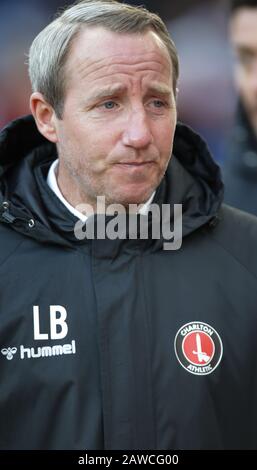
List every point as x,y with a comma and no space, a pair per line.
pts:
236,233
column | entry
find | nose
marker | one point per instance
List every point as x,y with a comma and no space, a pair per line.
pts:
137,133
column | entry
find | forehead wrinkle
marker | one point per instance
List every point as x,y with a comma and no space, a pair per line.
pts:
108,70
148,56
118,60
152,85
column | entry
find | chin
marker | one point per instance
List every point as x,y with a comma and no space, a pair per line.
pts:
134,197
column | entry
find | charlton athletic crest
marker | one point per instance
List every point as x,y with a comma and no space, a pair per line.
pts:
198,348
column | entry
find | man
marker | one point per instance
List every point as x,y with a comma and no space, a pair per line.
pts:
117,343
241,163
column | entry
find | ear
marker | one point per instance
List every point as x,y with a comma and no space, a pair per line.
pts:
44,116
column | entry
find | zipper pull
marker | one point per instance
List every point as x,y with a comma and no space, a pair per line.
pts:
9,218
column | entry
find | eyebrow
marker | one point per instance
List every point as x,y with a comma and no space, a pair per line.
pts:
160,89
245,49
155,88
107,92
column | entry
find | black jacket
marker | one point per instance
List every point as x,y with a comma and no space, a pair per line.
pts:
159,350
240,167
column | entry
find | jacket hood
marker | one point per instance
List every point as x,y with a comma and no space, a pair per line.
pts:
192,179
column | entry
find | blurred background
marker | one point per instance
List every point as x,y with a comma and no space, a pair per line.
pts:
206,99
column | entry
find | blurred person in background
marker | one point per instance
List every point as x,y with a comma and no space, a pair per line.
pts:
206,100
240,168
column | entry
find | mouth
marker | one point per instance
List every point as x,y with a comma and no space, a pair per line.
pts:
134,164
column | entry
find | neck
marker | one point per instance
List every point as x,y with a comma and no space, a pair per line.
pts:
72,192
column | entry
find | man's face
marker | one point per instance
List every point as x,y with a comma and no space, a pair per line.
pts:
116,135
243,32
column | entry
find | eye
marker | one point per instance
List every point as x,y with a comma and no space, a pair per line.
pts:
109,104
245,58
158,106
158,103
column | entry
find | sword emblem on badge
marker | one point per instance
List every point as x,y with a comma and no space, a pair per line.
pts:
202,356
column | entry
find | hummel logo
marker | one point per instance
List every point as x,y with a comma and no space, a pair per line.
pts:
43,351
9,353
